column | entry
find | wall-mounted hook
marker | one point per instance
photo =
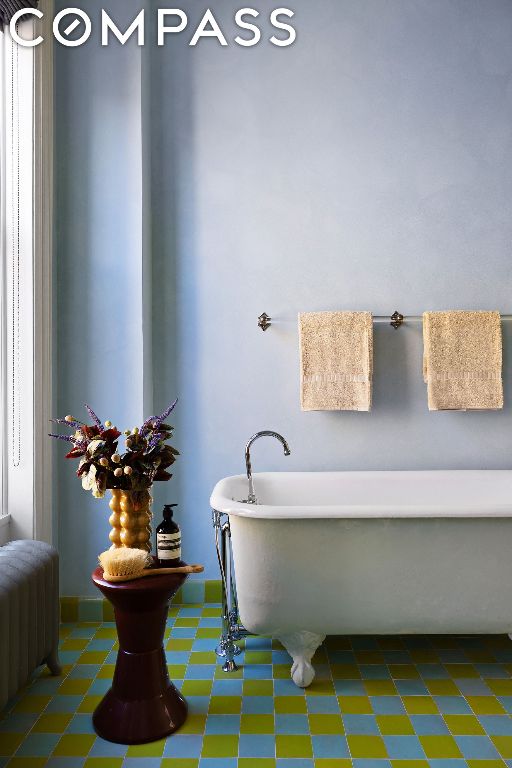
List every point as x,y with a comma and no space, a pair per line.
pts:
264,321
396,319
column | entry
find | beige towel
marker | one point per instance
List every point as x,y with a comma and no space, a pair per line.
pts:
462,360
336,359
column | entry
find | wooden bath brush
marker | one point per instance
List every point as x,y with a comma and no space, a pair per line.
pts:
125,564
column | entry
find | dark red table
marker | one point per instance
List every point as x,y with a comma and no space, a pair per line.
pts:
142,704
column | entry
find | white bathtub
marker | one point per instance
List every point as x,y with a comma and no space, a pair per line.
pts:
370,553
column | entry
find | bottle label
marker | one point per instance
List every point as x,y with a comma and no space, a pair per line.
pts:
169,546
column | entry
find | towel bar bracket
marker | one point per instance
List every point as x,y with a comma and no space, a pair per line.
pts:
264,321
396,319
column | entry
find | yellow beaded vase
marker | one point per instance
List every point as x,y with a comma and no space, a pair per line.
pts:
130,519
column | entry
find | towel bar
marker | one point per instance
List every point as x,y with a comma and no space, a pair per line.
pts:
395,320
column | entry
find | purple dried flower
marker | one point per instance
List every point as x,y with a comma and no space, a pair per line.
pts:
62,437
146,424
74,424
164,415
94,417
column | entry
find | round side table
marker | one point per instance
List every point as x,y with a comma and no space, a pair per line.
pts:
142,705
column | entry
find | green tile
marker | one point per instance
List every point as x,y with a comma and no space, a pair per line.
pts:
258,688
459,671
187,621
442,688
106,633
225,705
74,686
107,672
290,705
74,644
90,609
193,591
325,724
293,746
89,704
103,762
207,633
213,591
486,763
194,723
257,724
369,657
153,749
74,745
504,745
424,656
391,725
403,671
212,613
203,657
463,725
281,671
500,687
380,688
320,688
366,747
179,644
176,671
345,672
31,704
197,687
179,762
9,743
108,611
93,657
259,657
256,762
439,747
220,746
485,705
355,705
28,762
69,609
409,763
419,705
52,723
332,762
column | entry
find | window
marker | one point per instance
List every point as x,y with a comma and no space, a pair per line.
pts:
25,286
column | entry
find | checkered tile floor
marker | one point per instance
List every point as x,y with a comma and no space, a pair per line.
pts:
377,702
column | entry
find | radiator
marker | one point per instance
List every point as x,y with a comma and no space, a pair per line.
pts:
29,613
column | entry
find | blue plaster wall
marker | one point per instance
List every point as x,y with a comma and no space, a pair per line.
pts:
369,166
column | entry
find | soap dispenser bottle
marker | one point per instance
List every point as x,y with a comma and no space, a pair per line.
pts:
168,540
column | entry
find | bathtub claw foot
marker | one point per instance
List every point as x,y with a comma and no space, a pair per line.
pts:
302,646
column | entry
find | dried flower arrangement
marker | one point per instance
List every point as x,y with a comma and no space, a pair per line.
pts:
145,460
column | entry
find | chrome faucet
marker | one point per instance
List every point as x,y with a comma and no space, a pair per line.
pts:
251,499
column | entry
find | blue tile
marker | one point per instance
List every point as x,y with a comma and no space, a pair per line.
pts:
374,671
453,705
223,724
80,724
184,633
397,657
200,672
69,657
227,688
491,670
190,612
258,643
506,701
432,671
473,687
258,672
193,591
64,704
99,686
258,705
296,724
295,762
429,725
38,745
496,725
404,747
215,762
322,705
101,644
281,657
205,644
102,748
349,688
477,747
369,763
360,724
411,688
330,746
448,763
85,671
387,705
452,656
177,657
46,686
211,622
285,687
364,643
183,745
111,658
64,762
503,655
198,705
256,745
15,723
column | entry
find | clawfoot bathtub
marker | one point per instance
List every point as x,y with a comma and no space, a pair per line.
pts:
368,553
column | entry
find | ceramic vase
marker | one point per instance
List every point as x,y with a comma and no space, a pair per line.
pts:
130,519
